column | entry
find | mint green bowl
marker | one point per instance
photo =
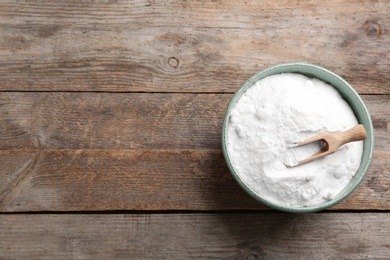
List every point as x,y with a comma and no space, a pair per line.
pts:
348,93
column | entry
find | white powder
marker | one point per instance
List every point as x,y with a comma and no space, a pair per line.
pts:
276,112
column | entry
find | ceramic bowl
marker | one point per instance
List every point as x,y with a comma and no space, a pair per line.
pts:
347,92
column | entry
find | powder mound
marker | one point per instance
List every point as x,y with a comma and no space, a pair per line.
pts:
276,112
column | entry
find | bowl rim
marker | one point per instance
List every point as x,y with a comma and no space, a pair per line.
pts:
314,70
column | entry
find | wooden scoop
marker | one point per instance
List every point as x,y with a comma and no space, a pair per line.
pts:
332,141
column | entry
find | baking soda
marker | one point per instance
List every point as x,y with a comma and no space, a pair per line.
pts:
276,112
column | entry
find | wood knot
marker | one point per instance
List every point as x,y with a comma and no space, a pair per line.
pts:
173,62
372,28
252,257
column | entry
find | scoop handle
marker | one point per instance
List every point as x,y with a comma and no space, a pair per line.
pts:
356,133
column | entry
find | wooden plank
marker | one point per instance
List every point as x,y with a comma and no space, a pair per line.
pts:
377,107
196,236
131,120
111,121
187,46
94,180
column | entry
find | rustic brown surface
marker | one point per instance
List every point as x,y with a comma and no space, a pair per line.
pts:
187,46
49,122
196,236
68,149
131,120
60,180
111,121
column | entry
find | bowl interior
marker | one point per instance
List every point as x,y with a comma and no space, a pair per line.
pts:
347,92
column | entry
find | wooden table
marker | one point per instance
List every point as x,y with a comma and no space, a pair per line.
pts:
110,126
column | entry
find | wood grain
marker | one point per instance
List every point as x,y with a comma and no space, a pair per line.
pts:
70,142
70,152
187,46
131,120
111,120
196,236
96,180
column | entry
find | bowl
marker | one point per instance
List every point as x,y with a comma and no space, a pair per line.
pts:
349,95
